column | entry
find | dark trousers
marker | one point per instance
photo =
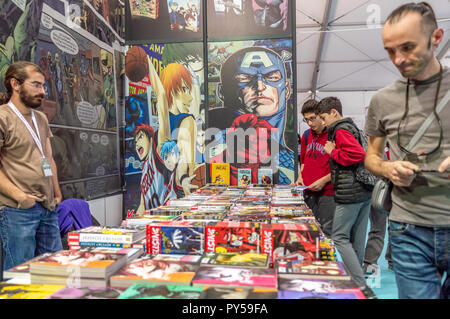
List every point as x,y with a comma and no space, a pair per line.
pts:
323,207
375,240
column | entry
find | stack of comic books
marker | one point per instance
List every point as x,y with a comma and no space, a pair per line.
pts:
305,288
146,270
235,259
175,237
316,269
290,240
97,236
77,268
22,271
200,216
235,277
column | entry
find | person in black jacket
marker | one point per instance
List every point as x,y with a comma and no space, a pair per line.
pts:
351,196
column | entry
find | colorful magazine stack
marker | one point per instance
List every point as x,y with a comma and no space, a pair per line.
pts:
316,269
147,270
96,236
77,268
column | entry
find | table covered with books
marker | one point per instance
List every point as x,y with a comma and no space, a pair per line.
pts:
255,242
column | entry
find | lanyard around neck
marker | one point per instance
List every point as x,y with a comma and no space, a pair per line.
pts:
35,135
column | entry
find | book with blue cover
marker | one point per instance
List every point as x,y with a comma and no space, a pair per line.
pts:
265,176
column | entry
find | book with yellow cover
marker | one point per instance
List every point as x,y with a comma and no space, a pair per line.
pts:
14,291
220,173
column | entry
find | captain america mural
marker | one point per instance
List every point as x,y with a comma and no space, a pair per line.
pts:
256,95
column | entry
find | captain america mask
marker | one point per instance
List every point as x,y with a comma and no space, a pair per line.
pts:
254,81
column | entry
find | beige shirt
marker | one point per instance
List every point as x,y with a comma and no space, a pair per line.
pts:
20,158
426,202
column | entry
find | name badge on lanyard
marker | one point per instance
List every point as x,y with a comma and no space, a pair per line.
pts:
45,163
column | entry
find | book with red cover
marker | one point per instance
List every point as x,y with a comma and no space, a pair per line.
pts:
278,240
230,236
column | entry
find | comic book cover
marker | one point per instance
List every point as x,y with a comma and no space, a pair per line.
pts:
177,237
81,263
238,293
233,277
22,271
148,270
148,8
86,293
235,259
16,291
151,291
319,286
220,173
265,176
184,15
193,259
290,241
232,237
288,294
320,269
244,176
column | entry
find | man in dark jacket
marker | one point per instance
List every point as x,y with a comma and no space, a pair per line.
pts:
351,196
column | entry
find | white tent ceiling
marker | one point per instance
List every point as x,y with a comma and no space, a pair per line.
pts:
339,47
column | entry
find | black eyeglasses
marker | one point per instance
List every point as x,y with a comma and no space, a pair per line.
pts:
312,118
403,149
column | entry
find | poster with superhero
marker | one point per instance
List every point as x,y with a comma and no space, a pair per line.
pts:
165,116
79,77
250,95
163,20
229,19
19,21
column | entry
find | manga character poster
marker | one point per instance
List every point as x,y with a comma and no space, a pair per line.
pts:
19,27
163,20
165,122
246,18
250,95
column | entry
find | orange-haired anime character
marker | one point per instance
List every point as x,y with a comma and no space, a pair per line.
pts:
173,88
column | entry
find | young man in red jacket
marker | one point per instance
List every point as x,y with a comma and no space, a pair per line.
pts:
351,196
315,168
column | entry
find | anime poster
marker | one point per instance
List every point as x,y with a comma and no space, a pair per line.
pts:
163,19
19,22
165,123
251,102
79,79
242,18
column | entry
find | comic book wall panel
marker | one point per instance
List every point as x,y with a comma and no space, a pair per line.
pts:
82,154
79,78
228,19
163,20
94,18
19,22
165,123
250,85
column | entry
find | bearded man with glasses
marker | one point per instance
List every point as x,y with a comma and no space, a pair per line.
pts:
420,214
29,189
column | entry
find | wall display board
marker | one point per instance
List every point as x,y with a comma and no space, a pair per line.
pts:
251,107
163,20
19,20
81,74
248,18
165,123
